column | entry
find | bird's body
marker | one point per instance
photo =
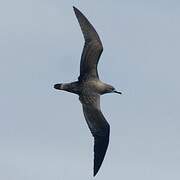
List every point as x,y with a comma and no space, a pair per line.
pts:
94,86
89,88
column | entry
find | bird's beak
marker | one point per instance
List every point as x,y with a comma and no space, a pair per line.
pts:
118,92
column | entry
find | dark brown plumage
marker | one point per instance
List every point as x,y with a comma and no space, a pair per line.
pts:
89,88
92,48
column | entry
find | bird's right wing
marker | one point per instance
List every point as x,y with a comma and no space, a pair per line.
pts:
98,126
92,48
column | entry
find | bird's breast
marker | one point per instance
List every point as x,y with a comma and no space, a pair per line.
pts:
94,86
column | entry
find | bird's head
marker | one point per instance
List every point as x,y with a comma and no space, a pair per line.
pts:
111,89
114,91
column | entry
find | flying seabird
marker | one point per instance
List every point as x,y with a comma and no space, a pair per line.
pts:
89,88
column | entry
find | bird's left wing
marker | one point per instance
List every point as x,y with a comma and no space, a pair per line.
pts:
92,48
98,126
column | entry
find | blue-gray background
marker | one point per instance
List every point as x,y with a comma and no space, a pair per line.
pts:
43,134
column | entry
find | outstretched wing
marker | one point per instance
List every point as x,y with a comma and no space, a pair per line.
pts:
92,48
98,126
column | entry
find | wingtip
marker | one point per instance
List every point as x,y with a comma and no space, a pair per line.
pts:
75,9
95,172
78,12
96,169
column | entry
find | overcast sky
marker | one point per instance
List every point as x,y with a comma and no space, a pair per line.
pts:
43,134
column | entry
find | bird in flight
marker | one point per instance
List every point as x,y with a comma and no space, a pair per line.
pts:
89,88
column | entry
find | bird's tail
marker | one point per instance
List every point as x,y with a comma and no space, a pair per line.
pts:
70,87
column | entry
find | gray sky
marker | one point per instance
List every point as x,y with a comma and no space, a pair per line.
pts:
43,134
